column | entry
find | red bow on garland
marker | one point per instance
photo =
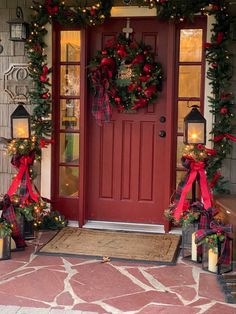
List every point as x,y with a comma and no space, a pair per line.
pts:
220,137
22,162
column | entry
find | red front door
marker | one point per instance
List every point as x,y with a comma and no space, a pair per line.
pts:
129,163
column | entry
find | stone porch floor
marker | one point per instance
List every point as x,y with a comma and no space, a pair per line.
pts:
62,284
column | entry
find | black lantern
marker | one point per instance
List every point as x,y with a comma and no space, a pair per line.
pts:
189,248
20,123
211,256
194,127
18,27
5,247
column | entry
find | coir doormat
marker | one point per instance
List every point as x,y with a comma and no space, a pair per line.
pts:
133,246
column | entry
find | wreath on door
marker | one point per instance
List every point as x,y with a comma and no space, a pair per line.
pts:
123,75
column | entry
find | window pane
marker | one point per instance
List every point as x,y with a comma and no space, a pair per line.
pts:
70,46
190,45
70,80
184,107
69,114
196,133
69,148
180,149
189,80
69,181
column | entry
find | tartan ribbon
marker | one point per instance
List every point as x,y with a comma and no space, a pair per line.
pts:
101,102
22,163
206,217
183,182
220,137
196,171
217,228
8,213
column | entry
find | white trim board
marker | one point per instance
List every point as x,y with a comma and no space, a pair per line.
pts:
132,11
124,226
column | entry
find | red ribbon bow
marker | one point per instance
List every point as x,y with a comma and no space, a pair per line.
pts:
220,137
22,163
195,169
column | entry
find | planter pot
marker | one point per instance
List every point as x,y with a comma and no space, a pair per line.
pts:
21,224
29,233
26,228
5,248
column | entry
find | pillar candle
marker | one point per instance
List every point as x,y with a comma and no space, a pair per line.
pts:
1,248
194,248
212,260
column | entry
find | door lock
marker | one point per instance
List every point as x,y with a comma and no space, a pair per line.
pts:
162,133
162,119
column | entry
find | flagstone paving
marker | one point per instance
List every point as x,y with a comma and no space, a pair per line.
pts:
52,284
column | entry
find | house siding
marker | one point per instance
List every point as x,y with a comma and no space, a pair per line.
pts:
13,53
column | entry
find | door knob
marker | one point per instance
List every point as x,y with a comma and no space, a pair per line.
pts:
162,133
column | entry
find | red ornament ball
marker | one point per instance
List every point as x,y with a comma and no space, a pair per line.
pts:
45,96
107,61
224,110
43,78
147,68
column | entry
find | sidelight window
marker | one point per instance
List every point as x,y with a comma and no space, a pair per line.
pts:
190,78
69,124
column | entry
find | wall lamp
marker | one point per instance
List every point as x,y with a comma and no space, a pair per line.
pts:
18,27
20,122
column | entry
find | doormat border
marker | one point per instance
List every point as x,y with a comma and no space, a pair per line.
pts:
101,258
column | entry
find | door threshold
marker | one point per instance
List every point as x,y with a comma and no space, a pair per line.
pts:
124,226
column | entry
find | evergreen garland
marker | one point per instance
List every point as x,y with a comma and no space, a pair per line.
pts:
221,101
219,74
217,55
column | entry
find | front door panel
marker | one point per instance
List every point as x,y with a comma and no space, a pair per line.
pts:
128,161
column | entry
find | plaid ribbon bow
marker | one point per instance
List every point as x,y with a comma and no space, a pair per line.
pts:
207,216
22,179
217,228
8,213
101,102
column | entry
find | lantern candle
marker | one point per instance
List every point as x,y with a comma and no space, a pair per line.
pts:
21,128
212,260
194,248
1,248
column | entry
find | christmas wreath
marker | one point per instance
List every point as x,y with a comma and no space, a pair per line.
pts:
123,75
